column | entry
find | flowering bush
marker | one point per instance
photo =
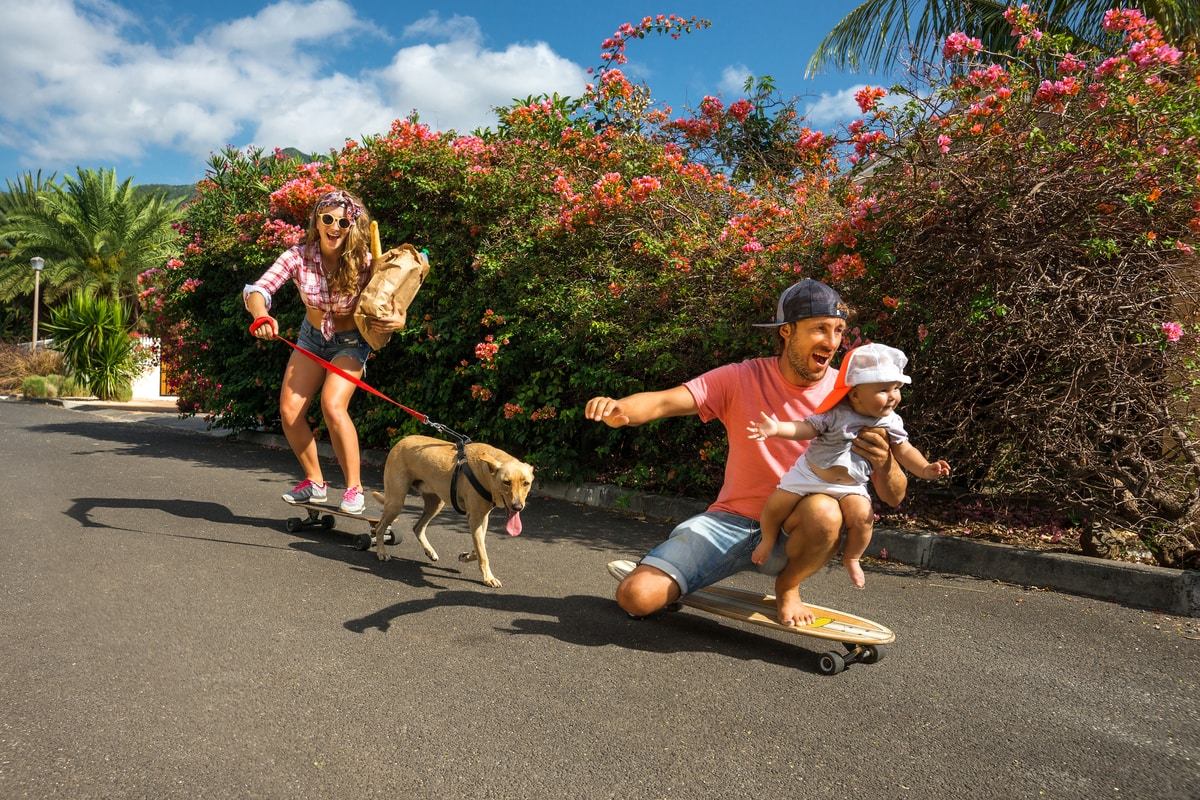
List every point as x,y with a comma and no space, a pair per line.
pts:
1031,245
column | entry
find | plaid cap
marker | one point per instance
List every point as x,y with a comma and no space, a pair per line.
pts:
804,299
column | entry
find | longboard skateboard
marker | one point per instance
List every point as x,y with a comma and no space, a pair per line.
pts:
321,517
863,639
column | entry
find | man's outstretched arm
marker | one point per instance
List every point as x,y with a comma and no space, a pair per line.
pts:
640,408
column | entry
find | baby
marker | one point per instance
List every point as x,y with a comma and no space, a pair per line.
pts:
865,395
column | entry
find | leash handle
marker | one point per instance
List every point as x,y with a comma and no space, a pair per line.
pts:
258,323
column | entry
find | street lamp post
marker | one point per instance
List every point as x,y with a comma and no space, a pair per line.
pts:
37,262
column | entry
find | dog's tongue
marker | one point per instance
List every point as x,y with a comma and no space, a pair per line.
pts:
513,526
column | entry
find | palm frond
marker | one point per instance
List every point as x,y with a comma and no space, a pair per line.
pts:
877,34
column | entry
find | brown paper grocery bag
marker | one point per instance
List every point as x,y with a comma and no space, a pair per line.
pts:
398,275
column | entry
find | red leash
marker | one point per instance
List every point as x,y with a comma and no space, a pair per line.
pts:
357,382
461,441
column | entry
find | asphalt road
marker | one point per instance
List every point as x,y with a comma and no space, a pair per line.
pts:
164,636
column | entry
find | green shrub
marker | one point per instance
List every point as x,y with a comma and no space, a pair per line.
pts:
94,334
71,388
38,386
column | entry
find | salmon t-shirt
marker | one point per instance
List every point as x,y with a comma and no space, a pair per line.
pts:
735,394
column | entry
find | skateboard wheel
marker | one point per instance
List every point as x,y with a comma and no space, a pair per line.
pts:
362,541
831,663
873,653
292,524
327,522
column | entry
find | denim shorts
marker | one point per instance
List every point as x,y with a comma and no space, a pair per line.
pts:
344,343
710,547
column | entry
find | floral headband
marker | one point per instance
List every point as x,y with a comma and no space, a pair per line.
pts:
339,198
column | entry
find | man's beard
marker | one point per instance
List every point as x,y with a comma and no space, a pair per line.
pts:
801,365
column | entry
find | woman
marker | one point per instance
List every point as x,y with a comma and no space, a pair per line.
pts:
330,270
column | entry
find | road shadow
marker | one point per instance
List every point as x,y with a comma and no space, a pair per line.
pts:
592,621
82,508
558,521
152,441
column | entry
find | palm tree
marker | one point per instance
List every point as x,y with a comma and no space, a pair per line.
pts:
876,34
93,233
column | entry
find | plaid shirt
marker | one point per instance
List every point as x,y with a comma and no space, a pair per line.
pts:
302,264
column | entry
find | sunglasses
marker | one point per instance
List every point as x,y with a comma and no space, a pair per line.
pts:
329,219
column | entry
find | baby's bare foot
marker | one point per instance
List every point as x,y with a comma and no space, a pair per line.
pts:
856,574
760,554
792,612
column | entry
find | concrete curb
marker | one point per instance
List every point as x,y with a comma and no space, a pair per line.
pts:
1170,590
1158,588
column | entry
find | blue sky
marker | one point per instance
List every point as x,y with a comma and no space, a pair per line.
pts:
152,87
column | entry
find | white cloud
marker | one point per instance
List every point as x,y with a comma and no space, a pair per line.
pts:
432,26
456,84
77,87
830,109
277,29
733,80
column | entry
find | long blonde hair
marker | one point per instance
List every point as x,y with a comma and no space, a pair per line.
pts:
346,276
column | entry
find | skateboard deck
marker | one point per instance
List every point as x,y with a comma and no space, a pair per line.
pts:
862,638
321,516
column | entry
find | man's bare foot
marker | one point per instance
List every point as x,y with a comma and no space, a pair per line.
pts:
856,574
792,612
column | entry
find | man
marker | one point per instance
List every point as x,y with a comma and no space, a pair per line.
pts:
810,320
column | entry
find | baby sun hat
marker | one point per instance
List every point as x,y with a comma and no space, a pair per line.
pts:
868,363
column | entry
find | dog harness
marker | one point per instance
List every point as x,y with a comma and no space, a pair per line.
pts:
462,467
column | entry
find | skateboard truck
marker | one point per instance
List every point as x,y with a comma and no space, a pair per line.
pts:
318,519
832,662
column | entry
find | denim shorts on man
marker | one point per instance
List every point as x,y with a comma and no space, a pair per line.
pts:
344,343
710,547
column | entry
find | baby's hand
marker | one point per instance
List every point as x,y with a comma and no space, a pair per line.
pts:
938,469
764,427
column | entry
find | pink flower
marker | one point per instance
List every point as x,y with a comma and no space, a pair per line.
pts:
944,142
959,44
810,139
486,350
643,187
1172,330
847,267
613,83
922,332
711,106
867,97
1055,91
989,76
741,109
1116,64
1071,64
1123,20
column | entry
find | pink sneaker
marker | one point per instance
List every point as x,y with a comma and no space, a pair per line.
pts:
353,501
306,491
